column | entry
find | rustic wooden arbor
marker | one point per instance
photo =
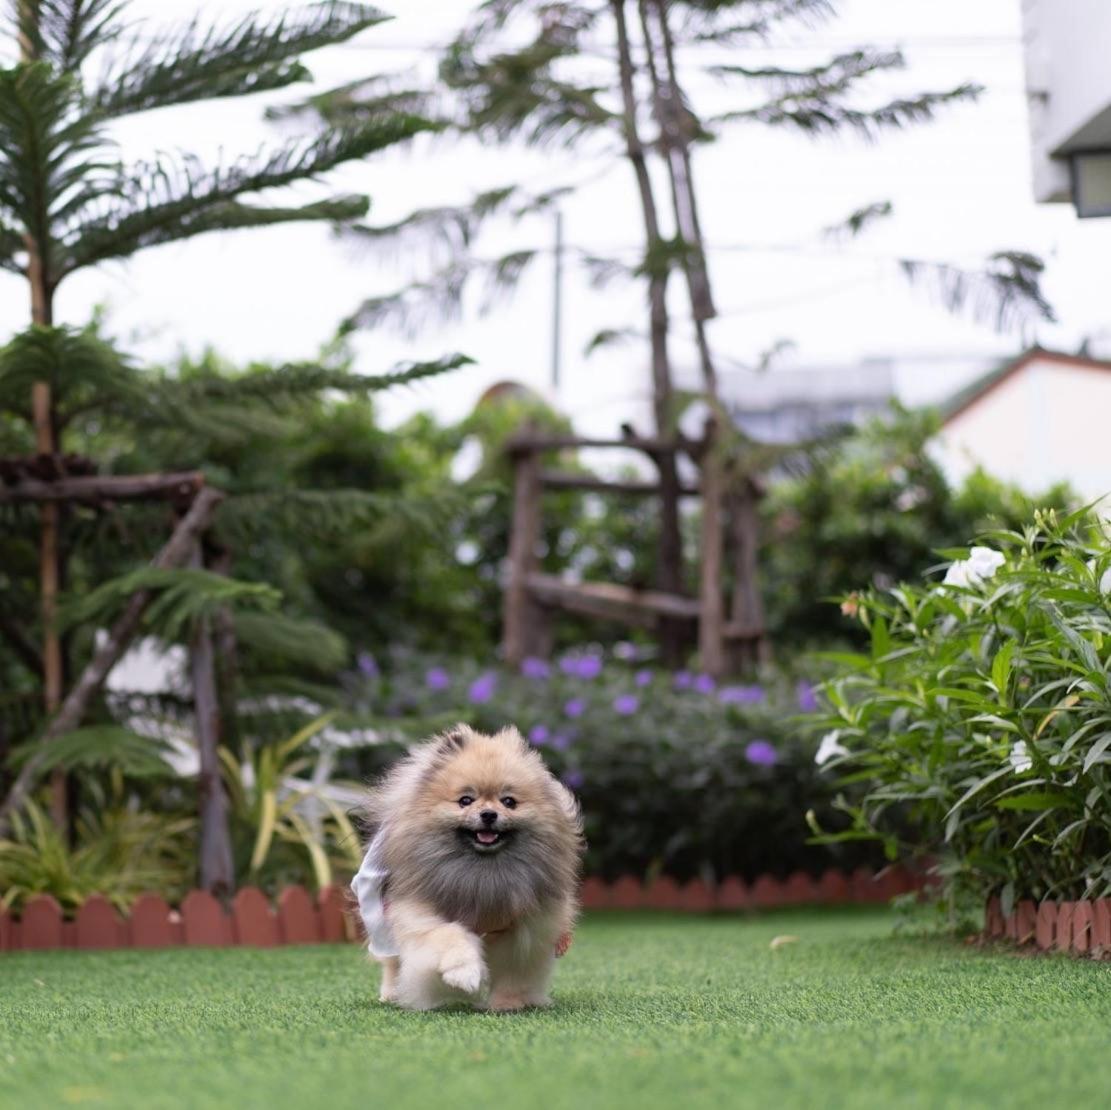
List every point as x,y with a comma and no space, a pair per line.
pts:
728,521
68,479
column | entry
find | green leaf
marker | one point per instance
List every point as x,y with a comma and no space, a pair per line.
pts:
1036,801
1096,751
100,747
1001,670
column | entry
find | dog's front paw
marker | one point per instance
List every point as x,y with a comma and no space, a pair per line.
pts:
467,974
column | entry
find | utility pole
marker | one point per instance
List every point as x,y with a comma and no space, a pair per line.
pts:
557,302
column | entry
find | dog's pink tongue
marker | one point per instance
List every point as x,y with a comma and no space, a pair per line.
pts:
487,837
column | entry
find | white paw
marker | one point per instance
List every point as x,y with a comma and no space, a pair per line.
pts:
468,976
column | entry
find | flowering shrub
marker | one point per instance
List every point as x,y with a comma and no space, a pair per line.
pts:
982,716
675,772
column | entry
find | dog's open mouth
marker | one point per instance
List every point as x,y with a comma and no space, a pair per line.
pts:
485,840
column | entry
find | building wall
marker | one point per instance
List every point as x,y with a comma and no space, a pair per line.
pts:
1068,81
1047,423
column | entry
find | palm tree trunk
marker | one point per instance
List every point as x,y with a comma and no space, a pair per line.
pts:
668,104
669,573
43,419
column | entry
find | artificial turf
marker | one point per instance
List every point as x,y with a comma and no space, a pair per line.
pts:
651,1011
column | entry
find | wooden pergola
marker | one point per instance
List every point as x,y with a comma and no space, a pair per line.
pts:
730,632
69,479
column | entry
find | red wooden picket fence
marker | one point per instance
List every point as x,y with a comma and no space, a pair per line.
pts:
299,918
1082,928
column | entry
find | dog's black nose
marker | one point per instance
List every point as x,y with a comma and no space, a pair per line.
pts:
489,816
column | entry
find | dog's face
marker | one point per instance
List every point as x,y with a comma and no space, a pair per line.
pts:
489,796
478,827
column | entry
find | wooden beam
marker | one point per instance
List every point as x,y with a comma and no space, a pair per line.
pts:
561,479
98,489
530,444
174,553
609,601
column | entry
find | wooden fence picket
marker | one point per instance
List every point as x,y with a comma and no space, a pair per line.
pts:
98,925
41,924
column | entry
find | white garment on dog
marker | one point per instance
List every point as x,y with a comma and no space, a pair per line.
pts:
369,886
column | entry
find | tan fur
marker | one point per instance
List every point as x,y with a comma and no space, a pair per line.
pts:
475,923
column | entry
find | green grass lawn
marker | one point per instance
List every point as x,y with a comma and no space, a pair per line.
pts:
651,1011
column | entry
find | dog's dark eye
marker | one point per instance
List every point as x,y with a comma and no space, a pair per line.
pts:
466,800
509,802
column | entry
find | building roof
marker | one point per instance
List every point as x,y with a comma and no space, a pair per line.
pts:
977,390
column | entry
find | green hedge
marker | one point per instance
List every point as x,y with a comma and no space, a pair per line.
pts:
676,774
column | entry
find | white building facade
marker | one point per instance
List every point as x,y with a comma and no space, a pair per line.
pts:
1067,47
1041,419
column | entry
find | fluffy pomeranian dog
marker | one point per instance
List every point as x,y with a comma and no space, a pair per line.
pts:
470,885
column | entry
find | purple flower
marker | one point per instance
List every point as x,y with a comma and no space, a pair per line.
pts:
436,678
683,680
590,666
643,678
561,741
367,664
761,753
575,707
740,695
569,665
482,689
539,734
626,704
807,695
573,779
704,684
535,668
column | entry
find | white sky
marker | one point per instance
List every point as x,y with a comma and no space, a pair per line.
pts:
960,187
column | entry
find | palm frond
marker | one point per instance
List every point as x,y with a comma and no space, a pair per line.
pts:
1005,293
181,598
49,153
277,639
817,116
256,54
331,512
167,201
859,220
296,380
78,365
100,746
439,298
65,32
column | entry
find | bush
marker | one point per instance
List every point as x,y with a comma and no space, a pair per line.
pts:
871,512
675,773
982,716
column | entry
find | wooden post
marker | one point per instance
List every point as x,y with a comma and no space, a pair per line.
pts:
711,630
747,610
217,871
522,615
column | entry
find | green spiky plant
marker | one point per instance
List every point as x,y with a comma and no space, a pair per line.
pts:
612,77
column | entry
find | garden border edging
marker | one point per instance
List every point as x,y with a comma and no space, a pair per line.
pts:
298,918
1081,928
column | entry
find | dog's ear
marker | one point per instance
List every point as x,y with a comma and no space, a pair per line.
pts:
454,740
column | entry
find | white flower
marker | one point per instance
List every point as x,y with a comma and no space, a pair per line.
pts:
1105,578
981,564
830,748
1020,758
